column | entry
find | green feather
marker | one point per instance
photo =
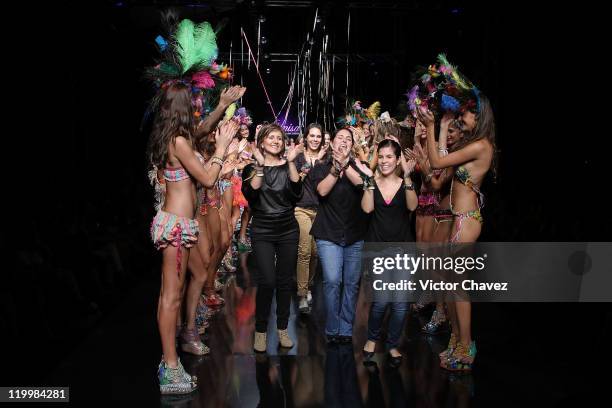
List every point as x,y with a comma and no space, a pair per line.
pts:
443,60
195,45
206,45
229,112
185,44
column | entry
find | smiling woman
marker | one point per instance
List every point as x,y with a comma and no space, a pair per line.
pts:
272,187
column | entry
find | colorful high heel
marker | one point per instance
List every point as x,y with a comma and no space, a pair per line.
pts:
462,358
214,300
244,246
227,263
192,344
437,324
452,345
175,380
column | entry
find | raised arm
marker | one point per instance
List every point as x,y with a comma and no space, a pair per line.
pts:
470,152
228,96
408,165
209,174
292,152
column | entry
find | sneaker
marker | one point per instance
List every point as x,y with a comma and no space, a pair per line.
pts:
304,307
175,380
260,342
284,339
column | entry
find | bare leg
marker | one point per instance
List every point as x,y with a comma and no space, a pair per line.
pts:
464,316
170,301
244,222
214,222
198,265
470,231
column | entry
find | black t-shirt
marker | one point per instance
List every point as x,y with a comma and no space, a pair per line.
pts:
309,198
273,204
390,222
339,217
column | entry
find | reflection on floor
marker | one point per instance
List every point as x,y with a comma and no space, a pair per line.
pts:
116,366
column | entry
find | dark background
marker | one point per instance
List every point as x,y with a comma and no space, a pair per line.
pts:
79,238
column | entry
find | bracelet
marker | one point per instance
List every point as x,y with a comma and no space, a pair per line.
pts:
368,183
409,186
334,172
216,160
259,174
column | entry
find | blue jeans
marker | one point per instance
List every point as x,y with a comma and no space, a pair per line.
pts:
396,321
341,274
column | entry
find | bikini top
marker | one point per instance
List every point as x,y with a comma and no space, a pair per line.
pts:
463,176
174,174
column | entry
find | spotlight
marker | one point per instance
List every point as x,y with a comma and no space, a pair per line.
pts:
262,19
266,56
318,19
264,40
268,70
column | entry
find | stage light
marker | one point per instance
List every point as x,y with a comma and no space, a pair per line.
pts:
263,40
262,19
268,70
266,56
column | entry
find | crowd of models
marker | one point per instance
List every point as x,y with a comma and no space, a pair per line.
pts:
294,203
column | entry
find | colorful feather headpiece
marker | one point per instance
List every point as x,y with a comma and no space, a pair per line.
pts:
188,55
240,114
443,88
357,114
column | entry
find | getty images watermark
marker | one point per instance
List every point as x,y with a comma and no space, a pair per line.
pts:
412,264
489,272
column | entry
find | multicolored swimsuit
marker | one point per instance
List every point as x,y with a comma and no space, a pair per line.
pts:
208,197
239,199
429,202
169,229
463,176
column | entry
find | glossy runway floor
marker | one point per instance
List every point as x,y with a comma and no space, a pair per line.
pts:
522,360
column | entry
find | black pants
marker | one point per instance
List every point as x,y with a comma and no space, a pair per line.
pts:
271,275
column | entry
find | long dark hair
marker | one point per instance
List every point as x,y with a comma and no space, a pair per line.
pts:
484,129
174,118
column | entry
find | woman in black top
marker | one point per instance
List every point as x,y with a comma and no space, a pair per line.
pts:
272,187
390,203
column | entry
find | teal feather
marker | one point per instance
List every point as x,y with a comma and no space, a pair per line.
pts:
196,45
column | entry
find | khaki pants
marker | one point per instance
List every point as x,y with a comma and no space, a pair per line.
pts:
307,250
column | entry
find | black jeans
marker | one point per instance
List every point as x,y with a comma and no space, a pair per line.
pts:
271,275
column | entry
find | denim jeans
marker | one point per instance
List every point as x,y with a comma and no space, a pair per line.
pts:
341,266
396,321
